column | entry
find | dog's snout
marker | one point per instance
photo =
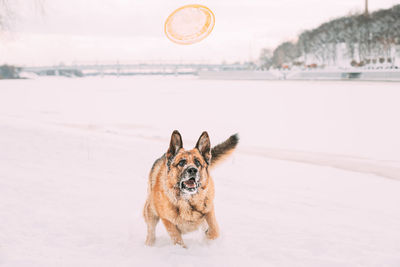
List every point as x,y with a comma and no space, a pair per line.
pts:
192,171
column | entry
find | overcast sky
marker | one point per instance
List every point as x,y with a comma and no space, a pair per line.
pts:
71,31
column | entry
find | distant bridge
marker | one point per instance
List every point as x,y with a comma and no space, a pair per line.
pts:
134,68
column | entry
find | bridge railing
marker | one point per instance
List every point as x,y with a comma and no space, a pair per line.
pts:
138,66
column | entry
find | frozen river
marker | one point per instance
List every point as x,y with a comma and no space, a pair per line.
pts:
340,120
75,154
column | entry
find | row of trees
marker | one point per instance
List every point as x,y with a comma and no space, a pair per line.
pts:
9,72
361,39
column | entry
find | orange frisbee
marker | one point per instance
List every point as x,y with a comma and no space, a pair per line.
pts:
189,24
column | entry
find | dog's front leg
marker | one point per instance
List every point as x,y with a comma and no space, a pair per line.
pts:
213,229
151,219
174,233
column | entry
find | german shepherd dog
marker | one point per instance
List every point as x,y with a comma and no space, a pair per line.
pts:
181,190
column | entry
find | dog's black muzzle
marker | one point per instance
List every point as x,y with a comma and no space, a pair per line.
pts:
190,180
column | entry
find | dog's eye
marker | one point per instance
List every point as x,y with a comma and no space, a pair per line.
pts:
182,163
197,162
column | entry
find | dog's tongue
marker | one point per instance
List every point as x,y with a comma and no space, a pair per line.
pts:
190,183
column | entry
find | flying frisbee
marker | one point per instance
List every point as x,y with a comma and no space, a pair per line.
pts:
189,24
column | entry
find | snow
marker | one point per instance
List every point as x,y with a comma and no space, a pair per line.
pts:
314,182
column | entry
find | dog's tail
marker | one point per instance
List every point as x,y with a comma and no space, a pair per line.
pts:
223,150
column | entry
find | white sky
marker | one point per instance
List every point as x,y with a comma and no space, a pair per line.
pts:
127,30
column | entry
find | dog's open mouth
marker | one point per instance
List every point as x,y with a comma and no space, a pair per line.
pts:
189,185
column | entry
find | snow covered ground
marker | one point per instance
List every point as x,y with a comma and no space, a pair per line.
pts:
315,181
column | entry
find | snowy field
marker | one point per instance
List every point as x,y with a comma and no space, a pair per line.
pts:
315,180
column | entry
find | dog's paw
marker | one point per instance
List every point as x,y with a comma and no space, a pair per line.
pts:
150,242
211,234
180,243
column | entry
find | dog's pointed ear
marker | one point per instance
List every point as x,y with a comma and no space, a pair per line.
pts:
204,146
174,145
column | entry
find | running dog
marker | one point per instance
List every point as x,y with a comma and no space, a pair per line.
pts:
181,190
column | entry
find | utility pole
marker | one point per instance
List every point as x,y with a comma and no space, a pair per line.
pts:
366,8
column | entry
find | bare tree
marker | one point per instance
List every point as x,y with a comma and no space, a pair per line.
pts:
9,11
6,14
266,58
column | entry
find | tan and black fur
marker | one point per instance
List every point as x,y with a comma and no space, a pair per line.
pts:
181,190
